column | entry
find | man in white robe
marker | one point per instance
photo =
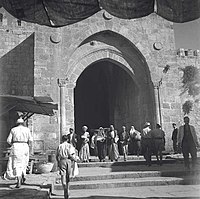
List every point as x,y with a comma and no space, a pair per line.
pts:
19,139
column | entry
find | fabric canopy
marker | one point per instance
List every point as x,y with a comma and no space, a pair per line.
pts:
40,105
57,13
179,11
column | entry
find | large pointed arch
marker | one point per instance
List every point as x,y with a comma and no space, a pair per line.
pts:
113,47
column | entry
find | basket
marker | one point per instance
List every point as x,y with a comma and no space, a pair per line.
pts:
44,167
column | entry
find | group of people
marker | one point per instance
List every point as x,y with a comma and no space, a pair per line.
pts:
106,142
152,142
109,142
184,139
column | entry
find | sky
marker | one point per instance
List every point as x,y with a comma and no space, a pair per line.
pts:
187,35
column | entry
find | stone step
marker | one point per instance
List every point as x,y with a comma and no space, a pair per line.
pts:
122,163
110,176
129,182
138,174
138,179
125,182
126,175
117,175
158,192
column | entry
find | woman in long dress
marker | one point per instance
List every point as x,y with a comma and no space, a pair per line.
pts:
135,140
101,144
113,138
84,153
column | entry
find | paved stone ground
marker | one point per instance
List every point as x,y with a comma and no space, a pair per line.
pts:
37,186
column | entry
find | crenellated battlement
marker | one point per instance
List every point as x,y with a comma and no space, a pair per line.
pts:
181,52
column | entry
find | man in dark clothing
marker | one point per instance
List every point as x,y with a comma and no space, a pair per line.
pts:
174,138
158,141
188,142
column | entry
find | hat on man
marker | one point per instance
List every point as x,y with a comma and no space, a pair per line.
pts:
147,124
66,137
85,127
20,121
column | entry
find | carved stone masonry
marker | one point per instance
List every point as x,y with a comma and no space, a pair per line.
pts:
62,82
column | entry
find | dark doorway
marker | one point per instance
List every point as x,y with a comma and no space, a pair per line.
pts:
105,94
91,98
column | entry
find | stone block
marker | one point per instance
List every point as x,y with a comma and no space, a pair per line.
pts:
166,118
175,106
166,105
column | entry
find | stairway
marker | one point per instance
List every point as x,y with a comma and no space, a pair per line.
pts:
132,173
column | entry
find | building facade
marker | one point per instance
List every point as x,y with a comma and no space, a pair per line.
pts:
100,71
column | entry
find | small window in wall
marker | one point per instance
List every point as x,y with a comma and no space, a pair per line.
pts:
1,17
19,22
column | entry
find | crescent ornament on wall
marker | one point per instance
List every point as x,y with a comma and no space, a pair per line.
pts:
107,16
157,46
55,39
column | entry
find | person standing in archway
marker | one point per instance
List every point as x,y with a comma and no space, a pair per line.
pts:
101,144
158,141
84,153
188,142
136,141
73,138
20,138
174,138
113,138
146,143
123,140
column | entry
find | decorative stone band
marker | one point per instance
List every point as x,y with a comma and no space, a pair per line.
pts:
99,54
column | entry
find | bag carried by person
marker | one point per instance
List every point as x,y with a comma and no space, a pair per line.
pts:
137,135
75,170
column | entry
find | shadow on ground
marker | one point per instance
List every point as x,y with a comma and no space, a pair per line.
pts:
22,193
131,166
27,191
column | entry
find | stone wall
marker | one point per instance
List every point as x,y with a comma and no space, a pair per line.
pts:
16,57
46,72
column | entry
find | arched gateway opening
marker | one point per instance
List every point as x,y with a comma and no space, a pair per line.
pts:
106,94
113,84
